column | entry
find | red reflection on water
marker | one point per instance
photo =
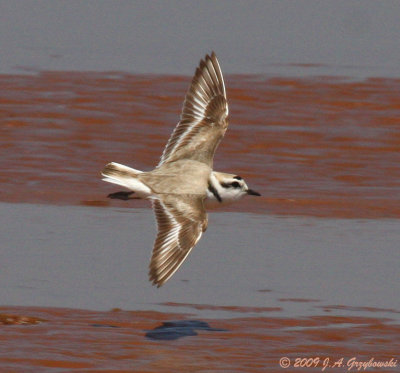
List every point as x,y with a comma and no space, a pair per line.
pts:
80,340
317,146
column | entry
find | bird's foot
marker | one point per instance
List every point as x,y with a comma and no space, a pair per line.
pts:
120,195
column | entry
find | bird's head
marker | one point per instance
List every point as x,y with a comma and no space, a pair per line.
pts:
226,188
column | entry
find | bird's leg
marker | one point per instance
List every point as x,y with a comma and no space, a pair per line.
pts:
125,196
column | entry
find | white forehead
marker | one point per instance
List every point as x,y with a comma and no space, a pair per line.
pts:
222,176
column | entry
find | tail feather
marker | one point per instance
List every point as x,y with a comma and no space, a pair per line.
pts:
125,176
114,168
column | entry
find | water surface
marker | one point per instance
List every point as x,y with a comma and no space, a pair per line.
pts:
308,269
271,286
316,146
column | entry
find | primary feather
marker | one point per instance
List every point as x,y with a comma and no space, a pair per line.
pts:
204,115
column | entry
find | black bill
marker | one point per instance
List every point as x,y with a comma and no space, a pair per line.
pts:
252,192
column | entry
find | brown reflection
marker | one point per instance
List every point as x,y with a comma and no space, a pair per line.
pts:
80,340
8,319
239,309
316,146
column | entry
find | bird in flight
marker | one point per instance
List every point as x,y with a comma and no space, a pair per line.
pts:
184,183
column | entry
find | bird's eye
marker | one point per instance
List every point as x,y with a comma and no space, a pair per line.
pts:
235,184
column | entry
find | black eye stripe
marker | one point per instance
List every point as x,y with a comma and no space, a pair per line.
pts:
234,184
238,177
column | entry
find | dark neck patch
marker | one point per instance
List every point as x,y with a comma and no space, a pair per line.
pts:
214,192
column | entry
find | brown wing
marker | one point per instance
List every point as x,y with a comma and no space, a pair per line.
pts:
204,116
181,220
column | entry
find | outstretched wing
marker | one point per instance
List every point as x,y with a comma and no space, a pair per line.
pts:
181,221
204,116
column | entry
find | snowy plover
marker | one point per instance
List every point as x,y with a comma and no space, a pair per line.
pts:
184,182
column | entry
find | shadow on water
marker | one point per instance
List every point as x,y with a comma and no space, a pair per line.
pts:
85,340
302,283
171,330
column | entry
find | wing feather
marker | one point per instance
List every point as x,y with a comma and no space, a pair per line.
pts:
181,220
204,117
